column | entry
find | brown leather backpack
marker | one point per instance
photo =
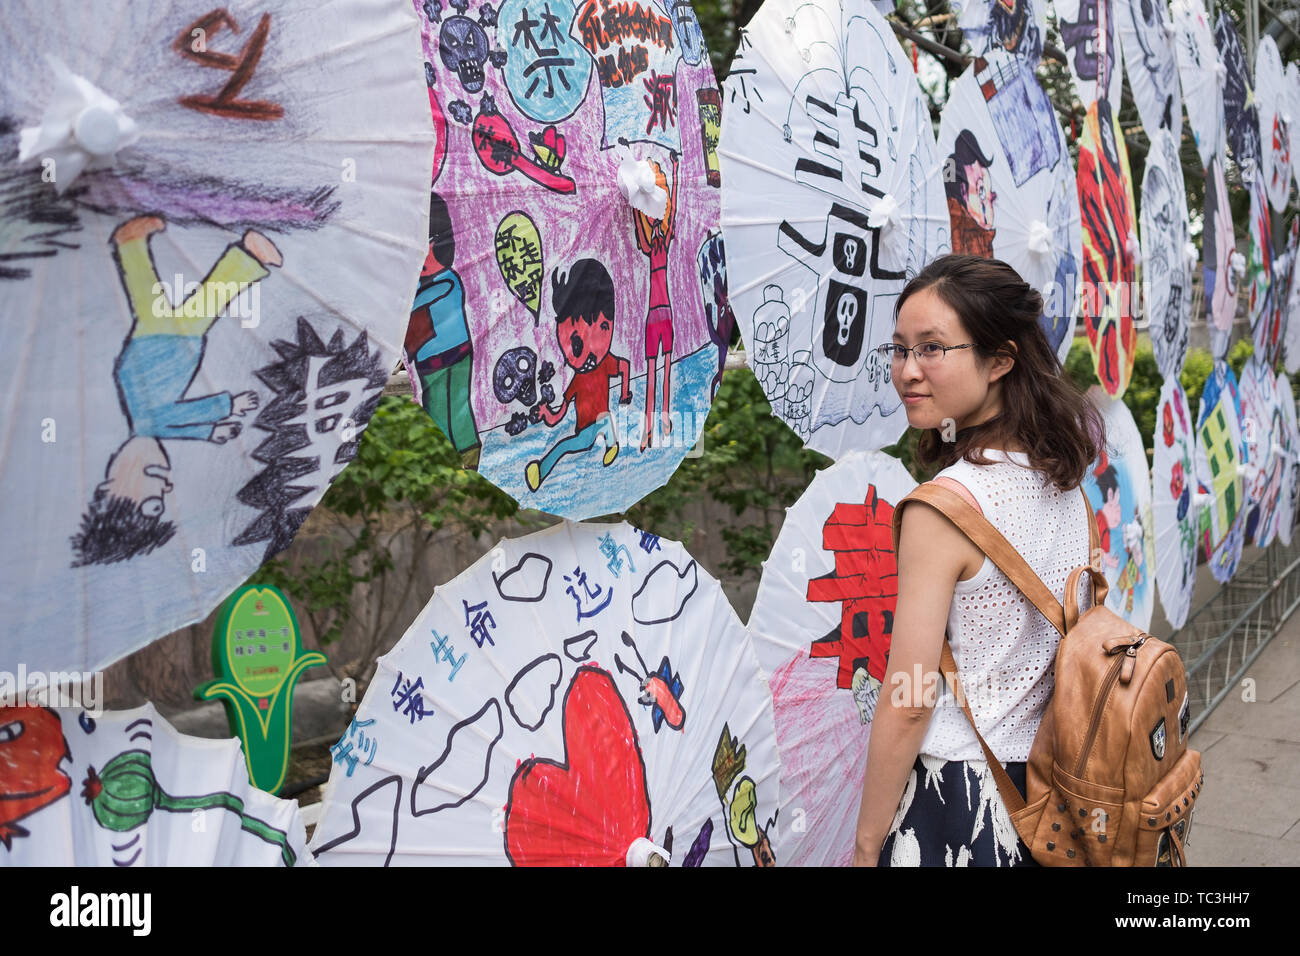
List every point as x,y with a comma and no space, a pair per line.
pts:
1110,781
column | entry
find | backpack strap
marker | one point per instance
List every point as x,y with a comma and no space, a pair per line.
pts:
991,541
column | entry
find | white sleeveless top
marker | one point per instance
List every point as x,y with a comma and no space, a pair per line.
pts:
1003,645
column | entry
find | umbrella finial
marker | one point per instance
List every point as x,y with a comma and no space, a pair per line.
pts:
1040,238
643,852
82,125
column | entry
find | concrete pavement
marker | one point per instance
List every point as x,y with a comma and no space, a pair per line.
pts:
1249,812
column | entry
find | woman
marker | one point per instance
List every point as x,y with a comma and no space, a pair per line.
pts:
977,376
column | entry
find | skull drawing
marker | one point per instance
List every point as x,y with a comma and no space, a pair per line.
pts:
515,376
463,47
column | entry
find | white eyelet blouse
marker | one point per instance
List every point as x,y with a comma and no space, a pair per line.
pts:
1003,645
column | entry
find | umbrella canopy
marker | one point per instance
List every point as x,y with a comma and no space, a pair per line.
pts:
239,197
1168,255
1110,247
1013,183
1119,488
1202,76
821,627
1274,107
1090,35
1220,473
1290,107
1218,249
1151,61
1291,301
1173,502
559,337
835,198
126,789
1265,316
1286,508
1239,110
1016,26
1262,428
572,695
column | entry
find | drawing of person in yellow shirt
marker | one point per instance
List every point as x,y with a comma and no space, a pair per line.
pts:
155,369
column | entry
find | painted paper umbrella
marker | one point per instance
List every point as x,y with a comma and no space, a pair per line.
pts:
1119,488
572,698
1090,34
1220,473
1291,302
1290,107
1274,107
1168,257
834,200
1016,26
126,789
1265,316
1240,114
1286,507
1202,75
560,334
1261,429
1012,194
1146,31
1219,273
239,195
1110,248
821,626
1174,502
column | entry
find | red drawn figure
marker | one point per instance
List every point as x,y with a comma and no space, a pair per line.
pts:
588,808
31,747
192,43
866,581
1109,269
497,147
653,238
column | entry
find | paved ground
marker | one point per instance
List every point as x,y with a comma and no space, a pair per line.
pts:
1249,812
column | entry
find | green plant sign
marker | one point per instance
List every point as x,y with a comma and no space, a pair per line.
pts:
258,657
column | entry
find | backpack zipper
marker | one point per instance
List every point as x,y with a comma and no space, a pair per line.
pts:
1107,686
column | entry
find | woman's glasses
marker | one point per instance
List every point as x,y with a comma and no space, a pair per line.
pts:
928,354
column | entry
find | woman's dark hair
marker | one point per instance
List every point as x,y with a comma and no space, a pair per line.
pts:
1042,412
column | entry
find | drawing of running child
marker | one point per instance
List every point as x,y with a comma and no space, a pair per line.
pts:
653,238
158,362
584,325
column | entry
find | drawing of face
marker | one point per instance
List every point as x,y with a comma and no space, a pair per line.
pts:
1111,510
140,472
979,195
584,342
463,47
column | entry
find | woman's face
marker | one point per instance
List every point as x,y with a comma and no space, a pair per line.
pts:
956,391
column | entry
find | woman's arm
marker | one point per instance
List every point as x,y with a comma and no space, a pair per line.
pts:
932,556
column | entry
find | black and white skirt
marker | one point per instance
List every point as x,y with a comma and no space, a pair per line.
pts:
951,814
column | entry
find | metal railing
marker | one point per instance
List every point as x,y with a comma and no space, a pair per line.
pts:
1222,638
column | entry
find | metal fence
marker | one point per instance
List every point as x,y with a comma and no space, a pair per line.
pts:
1222,638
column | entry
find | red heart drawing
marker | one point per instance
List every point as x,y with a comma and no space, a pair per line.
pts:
588,809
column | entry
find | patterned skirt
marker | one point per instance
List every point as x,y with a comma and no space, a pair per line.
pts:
951,814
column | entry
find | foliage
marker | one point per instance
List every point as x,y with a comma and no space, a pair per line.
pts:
751,462
1143,392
